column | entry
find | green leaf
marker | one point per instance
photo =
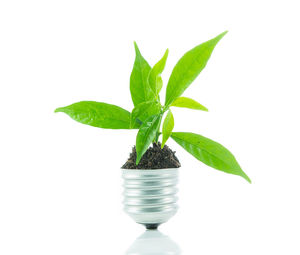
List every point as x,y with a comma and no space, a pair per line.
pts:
139,86
159,84
146,135
144,110
97,114
167,128
186,102
188,68
209,152
155,80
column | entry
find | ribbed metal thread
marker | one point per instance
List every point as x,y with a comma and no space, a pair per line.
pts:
150,195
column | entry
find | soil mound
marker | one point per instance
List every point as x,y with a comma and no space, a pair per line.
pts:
154,158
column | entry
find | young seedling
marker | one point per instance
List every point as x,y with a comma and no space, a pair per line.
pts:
146,116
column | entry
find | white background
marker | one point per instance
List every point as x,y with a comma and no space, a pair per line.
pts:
60,181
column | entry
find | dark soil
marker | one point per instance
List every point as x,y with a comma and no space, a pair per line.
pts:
154,158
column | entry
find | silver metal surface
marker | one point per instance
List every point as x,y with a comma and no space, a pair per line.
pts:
150,195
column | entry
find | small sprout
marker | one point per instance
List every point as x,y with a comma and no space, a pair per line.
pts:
146,116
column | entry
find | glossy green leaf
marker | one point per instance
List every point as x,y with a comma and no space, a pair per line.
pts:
159,85
146,135
209,152
144,110
188,68
139,86
97,114
155,80
167,128
186,102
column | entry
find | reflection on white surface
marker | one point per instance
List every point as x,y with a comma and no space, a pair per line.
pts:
153,242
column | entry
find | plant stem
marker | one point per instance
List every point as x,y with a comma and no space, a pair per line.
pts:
158,132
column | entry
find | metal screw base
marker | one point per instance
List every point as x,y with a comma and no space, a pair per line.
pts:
150,195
